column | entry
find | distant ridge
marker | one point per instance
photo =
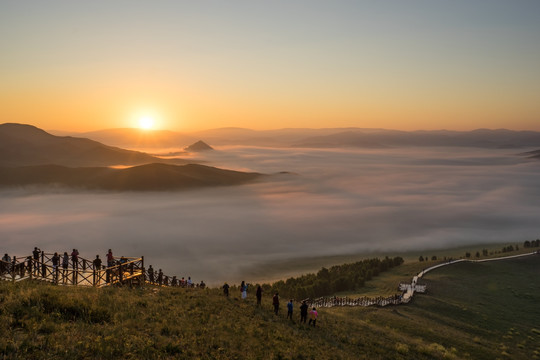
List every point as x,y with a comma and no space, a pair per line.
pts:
140,139
150,177
198,147
482,138
22,145
535,154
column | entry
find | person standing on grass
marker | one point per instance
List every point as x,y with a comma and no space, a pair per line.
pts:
313,314
275,302
289,309
259,295
243,289
151,274
226,289
303,312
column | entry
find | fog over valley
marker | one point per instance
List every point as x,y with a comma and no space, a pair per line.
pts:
317,202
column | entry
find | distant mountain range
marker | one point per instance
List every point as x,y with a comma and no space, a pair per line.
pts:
483,138
31,156
150,177
320,138
137,138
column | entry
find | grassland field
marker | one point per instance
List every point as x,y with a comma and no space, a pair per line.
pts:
471,311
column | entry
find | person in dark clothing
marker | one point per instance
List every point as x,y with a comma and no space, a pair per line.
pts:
6,262
75,259
151,274
259,295
36,254
65,262
226,289
160,277
110,258
275,302
289,309
97,263
303,312
55,262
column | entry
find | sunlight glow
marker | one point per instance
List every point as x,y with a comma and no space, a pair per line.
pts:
146,123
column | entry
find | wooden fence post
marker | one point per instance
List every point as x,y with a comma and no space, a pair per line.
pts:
13,268
143,277
43,268
30,265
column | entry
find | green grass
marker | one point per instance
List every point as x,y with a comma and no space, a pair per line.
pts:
269,272
471,311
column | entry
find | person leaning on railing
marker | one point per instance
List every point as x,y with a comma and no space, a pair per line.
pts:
6,261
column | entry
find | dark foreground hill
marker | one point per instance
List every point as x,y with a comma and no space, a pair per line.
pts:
150,177
471,311
22,145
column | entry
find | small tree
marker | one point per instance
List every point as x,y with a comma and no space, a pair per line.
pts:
421,258
434,257
477,254
467,255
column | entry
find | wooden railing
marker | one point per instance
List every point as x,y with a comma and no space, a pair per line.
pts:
356,301
83,272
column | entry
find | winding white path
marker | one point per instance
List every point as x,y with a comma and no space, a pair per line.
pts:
414,287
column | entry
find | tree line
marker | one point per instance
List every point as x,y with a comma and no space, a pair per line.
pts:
346,277
532,243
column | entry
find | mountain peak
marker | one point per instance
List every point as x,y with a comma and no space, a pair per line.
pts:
198,146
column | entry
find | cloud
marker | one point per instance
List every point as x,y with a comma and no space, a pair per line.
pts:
332,203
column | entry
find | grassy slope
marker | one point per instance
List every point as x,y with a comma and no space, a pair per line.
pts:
476,311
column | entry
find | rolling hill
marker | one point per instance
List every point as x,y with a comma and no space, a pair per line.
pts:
149,177
471,311
26,145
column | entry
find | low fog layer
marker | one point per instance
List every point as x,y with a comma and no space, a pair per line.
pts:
330,203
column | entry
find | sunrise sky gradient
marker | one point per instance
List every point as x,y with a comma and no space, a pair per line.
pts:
190,65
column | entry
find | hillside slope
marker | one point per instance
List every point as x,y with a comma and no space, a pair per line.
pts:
150,177
471,311
24,145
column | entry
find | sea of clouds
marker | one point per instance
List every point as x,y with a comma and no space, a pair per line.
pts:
331,202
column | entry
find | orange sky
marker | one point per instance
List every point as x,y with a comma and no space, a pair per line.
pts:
80,66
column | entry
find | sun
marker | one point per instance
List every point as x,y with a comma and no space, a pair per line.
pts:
146,123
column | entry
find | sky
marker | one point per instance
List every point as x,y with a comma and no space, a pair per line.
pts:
193,65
